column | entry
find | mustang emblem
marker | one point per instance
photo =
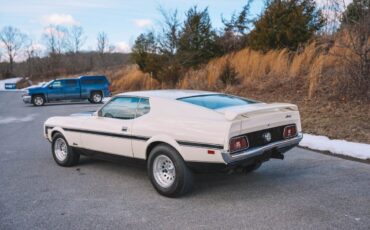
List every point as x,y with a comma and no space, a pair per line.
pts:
266,136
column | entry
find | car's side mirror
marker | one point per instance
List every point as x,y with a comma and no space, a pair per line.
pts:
97,113
50,86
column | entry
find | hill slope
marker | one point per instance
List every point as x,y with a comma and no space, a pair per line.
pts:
314,79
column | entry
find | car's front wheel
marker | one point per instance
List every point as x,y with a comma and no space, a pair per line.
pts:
63,154
38,100
168,172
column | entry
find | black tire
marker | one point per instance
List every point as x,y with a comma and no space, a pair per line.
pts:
38,100
72,157
96,97
183,181
252,167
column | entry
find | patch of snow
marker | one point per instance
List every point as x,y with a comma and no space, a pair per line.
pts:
9,80
8,120
341,147
106,99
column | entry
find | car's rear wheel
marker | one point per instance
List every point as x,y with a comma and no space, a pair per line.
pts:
168,172
38,100
63,154
96,97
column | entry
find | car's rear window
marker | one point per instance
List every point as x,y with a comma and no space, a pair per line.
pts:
93,80
216,101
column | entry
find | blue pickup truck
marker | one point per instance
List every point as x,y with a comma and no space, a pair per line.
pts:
92,88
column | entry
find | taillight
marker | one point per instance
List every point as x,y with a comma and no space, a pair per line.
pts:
289,131
238,144
110,88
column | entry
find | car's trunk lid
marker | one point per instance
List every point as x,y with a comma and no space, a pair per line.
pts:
260,116
245,111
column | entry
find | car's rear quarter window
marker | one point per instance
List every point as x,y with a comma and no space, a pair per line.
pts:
94,80
71,83
216,101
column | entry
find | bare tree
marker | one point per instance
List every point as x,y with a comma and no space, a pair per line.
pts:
332,11
31,49
56,39
32,52
76,38
353,45
13,40
103,42
168,41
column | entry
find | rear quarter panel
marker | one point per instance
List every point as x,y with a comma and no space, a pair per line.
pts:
175,122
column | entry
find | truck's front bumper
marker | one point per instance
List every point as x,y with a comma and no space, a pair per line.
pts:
281,146
26,99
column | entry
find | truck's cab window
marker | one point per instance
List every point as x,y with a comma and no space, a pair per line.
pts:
70,83
56,84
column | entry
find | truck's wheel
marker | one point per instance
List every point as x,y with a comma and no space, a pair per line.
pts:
96,97
252,167
63,154
38,100
168,172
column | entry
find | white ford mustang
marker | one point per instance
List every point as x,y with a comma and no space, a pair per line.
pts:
177,132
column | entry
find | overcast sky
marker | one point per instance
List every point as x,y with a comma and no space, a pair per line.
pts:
122,20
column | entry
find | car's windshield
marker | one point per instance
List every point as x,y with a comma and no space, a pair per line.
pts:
47,84
216,101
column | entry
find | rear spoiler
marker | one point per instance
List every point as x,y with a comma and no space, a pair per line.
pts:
245,111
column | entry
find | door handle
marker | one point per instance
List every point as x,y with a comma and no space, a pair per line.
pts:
124,129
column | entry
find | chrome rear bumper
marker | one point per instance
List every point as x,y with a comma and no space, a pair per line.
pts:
232,158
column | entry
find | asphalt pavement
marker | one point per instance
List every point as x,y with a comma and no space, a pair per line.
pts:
307,190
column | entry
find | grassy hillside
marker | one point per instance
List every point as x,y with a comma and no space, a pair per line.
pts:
315,79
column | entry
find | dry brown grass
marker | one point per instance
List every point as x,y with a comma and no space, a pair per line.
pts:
262,71
131,78
312,78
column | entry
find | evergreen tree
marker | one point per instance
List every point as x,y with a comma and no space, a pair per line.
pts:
197,41
234,33
145,54
356,11
286,24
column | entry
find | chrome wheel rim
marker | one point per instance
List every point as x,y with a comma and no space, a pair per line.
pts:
39,100
164,171
97,97
60,149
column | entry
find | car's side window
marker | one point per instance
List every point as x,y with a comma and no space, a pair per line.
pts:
143,107
70,83
120,108
57,84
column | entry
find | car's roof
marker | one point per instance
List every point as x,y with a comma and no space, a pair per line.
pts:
75,78
91,76
167,93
